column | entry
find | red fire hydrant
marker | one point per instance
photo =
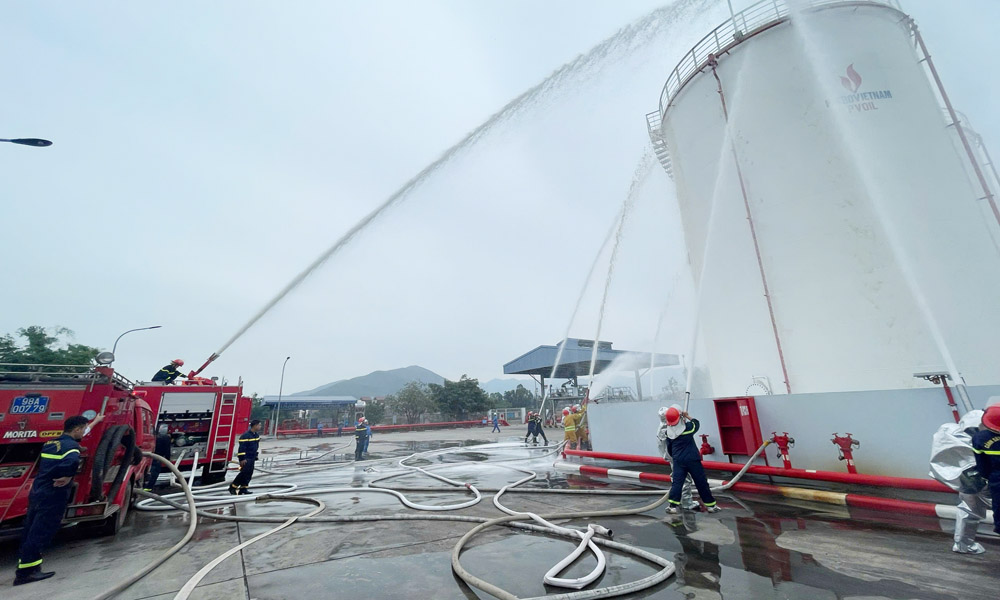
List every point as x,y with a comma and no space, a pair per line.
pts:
846,444
706,448
784,442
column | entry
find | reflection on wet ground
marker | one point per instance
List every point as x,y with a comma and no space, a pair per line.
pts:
787,550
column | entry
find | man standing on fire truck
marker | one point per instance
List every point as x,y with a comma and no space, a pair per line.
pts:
247,454
50,494
170,372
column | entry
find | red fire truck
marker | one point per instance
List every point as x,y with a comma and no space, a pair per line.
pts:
35,400
204,419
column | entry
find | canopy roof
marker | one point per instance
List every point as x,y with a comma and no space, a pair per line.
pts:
576,357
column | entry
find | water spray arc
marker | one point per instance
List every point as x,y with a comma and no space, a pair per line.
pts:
627,39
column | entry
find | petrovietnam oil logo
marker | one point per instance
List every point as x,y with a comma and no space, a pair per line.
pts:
857,101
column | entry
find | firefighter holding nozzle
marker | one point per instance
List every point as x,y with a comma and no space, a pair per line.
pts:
965,456
170,372
677,436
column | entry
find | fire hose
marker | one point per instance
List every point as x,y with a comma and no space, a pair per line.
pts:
192,525
291,492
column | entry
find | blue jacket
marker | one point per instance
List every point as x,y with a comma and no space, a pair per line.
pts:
360,432
60,458
683,447
986,445
249,444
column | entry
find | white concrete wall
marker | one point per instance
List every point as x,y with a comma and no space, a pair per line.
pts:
893,426
821,178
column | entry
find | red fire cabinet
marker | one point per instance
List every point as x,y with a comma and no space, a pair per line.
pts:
738,425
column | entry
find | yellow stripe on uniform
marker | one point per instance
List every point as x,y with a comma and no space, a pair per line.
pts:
60,456
21,565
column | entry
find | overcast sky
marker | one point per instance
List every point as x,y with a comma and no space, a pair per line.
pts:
205,153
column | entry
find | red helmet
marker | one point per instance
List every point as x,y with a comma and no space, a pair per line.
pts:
565,411
178,362
991,418
672,416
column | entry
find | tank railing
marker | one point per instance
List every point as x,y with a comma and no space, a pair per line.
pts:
733,31
40,373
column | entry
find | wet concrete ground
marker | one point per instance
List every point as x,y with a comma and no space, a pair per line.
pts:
752,550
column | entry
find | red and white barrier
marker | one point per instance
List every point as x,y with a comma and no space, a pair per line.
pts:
904,483
909,507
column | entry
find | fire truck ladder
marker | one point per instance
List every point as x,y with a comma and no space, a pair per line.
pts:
654,125
222,434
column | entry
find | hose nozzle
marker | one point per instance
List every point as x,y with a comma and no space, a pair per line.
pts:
601,530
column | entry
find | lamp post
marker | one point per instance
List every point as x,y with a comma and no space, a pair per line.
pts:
280,387
113,348
29,142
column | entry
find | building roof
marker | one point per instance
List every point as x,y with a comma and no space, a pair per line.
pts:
576,357
310,402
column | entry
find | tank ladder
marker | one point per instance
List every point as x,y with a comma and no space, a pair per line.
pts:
654,125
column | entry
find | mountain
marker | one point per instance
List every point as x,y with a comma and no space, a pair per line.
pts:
377,383
505,385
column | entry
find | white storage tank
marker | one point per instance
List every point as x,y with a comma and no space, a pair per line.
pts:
838,187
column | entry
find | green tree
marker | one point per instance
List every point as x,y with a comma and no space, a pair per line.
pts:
520,397
42,347
412,402
497,400
375,412
460,399
258,410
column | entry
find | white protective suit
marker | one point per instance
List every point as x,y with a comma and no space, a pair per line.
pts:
951,454
671,432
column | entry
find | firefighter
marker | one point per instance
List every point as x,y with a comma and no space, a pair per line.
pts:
49,496
582,427
986,446
170,372
163,449
247,454
569,428
496,423
368,435
685,459
687,492
360,437
531,428
539,431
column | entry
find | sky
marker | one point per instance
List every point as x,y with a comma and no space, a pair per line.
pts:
205,154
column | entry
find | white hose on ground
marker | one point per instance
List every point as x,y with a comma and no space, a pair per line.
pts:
746,467
587,539
192,583
192,524
194,467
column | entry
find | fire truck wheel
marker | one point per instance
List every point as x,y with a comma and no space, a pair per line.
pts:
113,524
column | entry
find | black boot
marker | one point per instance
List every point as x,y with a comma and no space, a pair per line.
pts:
232,490
32,577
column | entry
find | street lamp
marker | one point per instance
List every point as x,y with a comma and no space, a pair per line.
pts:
29,142
113,348
280,387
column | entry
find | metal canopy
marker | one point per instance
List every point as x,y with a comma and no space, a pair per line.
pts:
575,360
310,402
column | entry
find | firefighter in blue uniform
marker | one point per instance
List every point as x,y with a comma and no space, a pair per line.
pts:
986,445
361,438
170,372
247,455
49,496
685,459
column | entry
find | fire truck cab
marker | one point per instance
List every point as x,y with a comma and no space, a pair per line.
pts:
35,400
204,420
